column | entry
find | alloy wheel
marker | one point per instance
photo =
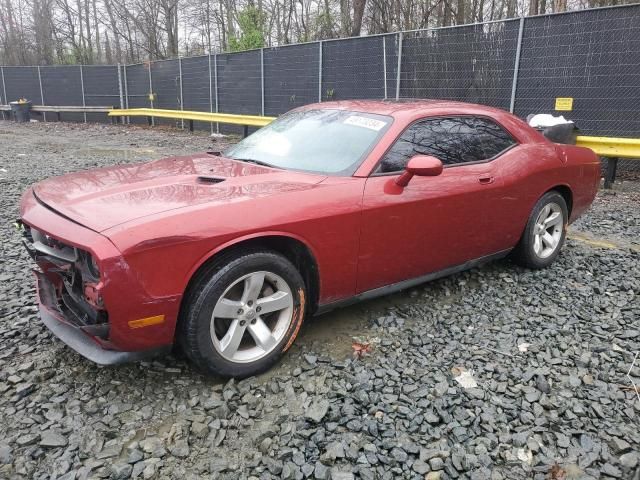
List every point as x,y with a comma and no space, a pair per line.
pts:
251,317
547,232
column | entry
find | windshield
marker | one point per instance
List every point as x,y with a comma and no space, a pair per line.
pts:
323,141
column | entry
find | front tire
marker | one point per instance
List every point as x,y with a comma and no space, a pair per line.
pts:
545,232
240,316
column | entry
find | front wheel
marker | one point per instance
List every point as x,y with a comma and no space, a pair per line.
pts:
545,232
240,317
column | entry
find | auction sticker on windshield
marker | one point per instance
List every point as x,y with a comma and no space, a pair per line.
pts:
370,123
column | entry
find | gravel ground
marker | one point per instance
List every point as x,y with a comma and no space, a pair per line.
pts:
548,352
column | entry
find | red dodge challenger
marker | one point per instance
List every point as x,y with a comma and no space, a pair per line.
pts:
225,254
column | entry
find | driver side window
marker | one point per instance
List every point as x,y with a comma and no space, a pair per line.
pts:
454,140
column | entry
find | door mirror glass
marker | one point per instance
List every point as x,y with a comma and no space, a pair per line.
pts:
422,166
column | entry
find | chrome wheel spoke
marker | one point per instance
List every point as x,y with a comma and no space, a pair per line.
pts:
262,335
545,212
548,240
252,287
227,308
555,218
537,244
231,340
274,303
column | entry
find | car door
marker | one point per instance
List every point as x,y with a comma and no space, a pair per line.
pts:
434,222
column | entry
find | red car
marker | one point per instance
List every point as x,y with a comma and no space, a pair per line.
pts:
226,254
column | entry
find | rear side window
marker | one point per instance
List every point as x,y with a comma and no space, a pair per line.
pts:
454,140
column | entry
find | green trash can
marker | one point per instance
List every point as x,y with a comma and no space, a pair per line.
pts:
21,111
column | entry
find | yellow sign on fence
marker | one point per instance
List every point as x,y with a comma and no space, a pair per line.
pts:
564,104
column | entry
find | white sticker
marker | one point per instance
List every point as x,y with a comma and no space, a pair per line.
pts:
370,123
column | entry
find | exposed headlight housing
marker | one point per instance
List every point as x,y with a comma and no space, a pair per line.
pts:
92,265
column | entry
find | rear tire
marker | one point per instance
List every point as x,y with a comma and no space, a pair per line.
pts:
242,314
544,234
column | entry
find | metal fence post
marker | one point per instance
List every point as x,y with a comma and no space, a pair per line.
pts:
181,93
516,67
4,86
120,87
84,104
320,73
384,64
262,79
126,92
44,114
215,72
153,120
400,37
210,90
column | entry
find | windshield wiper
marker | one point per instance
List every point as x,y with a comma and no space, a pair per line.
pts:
257,162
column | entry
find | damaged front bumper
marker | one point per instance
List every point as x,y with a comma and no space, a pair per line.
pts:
87,309
77,337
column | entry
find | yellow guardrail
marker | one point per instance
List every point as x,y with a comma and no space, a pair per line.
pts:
246,120
611,147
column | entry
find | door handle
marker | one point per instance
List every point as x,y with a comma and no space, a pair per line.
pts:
486,179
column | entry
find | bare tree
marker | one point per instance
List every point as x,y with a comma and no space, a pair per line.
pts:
44,32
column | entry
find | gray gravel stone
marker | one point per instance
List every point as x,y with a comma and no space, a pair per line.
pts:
629,460
317,410
5,455
50,439
420,467
121,471
341,475
321,471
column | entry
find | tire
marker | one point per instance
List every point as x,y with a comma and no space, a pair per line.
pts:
539,248
222,326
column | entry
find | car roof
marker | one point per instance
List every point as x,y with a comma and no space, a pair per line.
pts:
402,107
407,110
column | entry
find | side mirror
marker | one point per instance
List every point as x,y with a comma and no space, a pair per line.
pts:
422,166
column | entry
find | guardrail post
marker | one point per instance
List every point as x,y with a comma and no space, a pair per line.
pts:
384,63
320,72
610,173
44,114
516,67
151,120
84,104
181,95
400,37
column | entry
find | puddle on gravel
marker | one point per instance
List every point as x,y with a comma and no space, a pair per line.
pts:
332,334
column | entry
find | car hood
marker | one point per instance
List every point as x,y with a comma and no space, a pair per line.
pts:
103,198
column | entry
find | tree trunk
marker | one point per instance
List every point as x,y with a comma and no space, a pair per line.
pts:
358,13
461,18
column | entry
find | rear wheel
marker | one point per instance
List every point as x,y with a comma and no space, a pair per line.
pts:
241,316
545,232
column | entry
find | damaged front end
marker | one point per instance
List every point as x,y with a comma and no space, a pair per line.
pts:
68,283
88,295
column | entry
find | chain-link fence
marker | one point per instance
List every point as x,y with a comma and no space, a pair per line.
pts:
520,65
